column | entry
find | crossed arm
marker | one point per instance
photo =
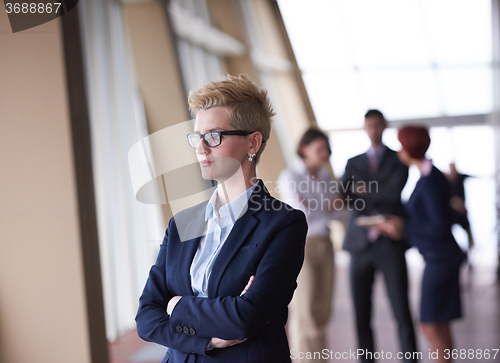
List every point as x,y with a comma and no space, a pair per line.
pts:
226,318
214,342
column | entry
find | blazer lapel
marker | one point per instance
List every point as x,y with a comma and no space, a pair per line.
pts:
365,167
384,162
242,228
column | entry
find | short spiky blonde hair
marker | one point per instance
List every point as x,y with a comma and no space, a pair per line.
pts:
249,106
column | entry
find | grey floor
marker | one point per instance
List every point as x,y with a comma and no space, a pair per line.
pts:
480,328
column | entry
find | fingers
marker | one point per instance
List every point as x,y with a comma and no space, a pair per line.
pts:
236,341
215,343
388,228
248,285
383,226
171,304
221,343
250,280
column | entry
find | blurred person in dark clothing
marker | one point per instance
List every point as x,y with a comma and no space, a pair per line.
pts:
374,181
429,229
457,201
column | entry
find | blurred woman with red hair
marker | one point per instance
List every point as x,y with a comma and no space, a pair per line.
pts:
428,228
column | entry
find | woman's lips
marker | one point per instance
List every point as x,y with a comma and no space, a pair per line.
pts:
205,163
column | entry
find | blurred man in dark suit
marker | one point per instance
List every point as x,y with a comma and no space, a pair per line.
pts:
373,182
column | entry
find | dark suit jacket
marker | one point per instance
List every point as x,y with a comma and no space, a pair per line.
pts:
268,242
384,194
429,219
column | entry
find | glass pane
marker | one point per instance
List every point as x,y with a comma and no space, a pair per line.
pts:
335,98
466,90
317,33
459,30
474,150
201,10
395,56
183,48
386,32
402,94
441,148
214,67
345,145
390,138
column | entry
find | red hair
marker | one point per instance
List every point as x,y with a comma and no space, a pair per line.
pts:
414,140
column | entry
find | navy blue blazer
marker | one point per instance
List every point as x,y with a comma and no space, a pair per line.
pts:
268,242
429,219
383,196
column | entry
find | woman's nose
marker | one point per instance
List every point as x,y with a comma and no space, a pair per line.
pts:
201,148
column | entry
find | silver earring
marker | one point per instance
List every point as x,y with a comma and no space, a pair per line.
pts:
250,157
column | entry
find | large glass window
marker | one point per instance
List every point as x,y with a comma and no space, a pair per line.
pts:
199,61
411,59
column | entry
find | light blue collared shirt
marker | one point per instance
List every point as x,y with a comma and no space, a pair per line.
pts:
216,234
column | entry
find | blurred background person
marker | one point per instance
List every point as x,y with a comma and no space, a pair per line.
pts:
372,250
309,187
429,229
457,201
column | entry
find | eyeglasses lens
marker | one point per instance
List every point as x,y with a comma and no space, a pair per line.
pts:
212,139
193,140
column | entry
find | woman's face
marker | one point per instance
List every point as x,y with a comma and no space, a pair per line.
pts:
220,162
317,152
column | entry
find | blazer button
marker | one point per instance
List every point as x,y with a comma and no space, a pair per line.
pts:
178,328
192,331
186,330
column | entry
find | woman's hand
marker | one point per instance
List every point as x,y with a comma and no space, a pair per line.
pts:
248,285
221,343
392,226
171,304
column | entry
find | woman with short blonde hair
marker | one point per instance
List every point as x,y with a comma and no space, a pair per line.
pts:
223,295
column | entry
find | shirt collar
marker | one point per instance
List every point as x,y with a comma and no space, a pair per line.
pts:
426,167
236,206
377,151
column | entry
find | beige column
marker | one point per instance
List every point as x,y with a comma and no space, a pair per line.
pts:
43,315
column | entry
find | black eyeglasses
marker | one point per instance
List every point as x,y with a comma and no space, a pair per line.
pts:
213,138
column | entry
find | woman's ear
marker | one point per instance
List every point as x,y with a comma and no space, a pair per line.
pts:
256,142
